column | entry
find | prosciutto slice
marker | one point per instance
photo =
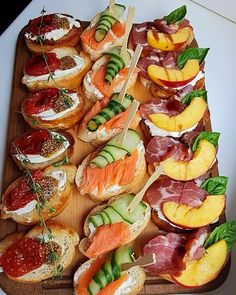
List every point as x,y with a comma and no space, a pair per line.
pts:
194,246
153,58
169,252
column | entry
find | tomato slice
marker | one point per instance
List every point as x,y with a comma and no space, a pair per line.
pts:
37,66
46,24
40,101
22,257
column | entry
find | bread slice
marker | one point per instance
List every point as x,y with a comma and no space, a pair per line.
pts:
66,237
135,228
90,90
70,81
58,202
133,186
96,54
65,122
136,277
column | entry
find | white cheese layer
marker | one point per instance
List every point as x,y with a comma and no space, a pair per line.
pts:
57,33
126,287
52,115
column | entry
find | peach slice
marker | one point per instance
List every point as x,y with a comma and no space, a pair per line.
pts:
168,42
203,159
189,217
172,77
185,120
200,272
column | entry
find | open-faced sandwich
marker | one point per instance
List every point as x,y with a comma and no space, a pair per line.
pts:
114,224
53,108
104,275
50,189
173,73
39,254
42,148
183,161
179,206
52,30
113,169
171,33
192,260
175,116
61,67
106,119
105,31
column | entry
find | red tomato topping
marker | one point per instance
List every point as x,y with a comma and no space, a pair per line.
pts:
22,257
46,24
20,196
40,101
30,143
37,66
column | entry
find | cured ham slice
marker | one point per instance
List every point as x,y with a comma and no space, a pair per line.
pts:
169,252
153,58
194,246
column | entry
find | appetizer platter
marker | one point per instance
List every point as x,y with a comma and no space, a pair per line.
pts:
111,183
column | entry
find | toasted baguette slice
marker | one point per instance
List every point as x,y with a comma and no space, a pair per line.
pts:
133,186
96,54
72,80
90,90
135,229
58,201
66,237
64,122
136,276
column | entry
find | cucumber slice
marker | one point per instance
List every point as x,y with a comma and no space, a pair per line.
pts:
93,288
117,106
113,215
100,161
100,35
108,271
120,256
105,217
108,78
96,220
115,269
101,279
116,152
121,205
104,115
107,155
103,27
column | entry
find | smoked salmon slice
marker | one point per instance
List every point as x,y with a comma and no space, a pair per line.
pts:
111,288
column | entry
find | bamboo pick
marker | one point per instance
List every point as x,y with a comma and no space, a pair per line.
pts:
141,261
138,198
132,111
128,26
111,6
132,67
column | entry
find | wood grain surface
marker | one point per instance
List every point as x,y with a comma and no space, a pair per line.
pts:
79,206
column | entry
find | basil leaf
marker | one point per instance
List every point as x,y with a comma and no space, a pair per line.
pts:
215,185
212,137
196,93
176,15
226,231
191,53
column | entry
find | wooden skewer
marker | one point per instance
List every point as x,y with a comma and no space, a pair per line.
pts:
128,26
132,67
138,198
132,111
141,261
111,6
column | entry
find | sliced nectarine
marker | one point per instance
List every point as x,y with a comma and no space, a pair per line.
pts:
185,120
172,77
189,217
168,42
203,159
200,272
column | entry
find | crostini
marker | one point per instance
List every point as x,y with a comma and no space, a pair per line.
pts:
193,260
179,206
61,67
55,30
182,161
106,119
36,256
50,189
104,275
42,148
173,73
176,116
112,222
53,108
106,30
171,33
113,169
108,75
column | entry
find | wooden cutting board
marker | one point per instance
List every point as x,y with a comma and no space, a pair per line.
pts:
75,214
